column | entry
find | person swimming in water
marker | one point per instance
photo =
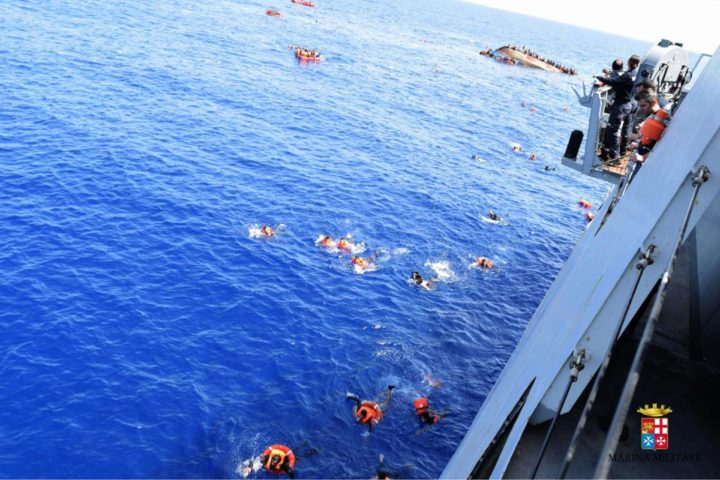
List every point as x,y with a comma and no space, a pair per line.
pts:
364,263
548,168
267,230
277,459
432,381
426,416
368,412
516,147
418,280
383,473
484,262
344,244
326,241
493,216
532,156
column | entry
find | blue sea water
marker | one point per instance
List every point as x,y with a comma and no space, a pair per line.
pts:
147,333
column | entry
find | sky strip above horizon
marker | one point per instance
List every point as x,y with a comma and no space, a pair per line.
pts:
692,22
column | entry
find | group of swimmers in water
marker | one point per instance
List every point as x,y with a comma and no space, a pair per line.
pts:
363,264
278,459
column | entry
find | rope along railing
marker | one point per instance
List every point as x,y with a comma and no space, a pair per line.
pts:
700,176
644,260
576,365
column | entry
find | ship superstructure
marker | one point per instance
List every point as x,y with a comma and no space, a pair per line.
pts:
602,315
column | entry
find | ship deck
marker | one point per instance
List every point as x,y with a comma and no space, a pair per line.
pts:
669,376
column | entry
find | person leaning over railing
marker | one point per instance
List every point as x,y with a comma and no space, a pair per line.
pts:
622,107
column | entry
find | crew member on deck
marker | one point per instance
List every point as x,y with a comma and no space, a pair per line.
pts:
622,108
652,129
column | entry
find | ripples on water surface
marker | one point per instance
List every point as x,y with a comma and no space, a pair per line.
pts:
147,334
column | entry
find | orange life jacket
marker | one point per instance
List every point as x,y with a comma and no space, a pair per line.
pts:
421,405
372,412
484,262
653,128
281,451
359,262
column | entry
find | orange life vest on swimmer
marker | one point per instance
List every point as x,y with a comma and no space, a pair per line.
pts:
359,262
484,262
372,412
653,128
422,409
280,451
421,405
326,241
342,243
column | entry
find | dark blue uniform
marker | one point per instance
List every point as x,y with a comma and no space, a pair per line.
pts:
620,114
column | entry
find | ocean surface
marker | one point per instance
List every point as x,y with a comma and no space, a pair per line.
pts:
149,331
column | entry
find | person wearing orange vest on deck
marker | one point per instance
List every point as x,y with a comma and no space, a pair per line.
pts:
652,128
279,460
368,412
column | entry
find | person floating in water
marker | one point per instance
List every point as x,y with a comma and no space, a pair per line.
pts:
427,416
362,264
276,459
532,156
344,244
516,147
369,412
493,216
384,473
326,241
548,168
483,262
432,381
279,459
268,231
418,280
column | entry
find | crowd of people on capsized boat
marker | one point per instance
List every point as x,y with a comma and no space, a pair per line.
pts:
533,54
498,56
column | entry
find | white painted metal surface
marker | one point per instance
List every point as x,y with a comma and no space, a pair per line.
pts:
581,308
